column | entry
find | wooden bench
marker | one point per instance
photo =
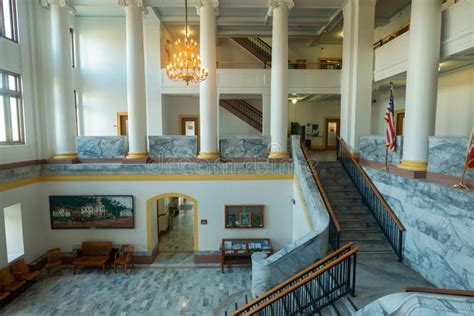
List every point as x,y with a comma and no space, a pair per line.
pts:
93,254
8,283
22,271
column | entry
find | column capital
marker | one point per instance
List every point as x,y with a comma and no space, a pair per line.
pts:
273,4
61,3
202,3
124,3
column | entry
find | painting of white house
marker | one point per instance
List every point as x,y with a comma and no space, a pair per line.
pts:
94,211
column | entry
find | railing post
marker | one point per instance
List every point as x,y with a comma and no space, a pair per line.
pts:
354,275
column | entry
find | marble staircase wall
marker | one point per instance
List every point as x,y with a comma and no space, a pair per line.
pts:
439,221
101,147
244,146
270,271
373,148
419,304
172,146
447,155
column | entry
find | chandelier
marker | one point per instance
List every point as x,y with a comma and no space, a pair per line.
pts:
186,63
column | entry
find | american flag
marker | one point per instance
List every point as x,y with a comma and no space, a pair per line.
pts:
390,137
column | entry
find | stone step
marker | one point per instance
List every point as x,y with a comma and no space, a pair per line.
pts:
347,202
348,218
337,195
354,224
373,246
351,209
362,236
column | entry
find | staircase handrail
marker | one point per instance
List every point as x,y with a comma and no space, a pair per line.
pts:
263,302
343,150
439,291
295,279
335,236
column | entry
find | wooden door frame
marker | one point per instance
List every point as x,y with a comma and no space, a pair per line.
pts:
119,121
395,119
190,117
328,119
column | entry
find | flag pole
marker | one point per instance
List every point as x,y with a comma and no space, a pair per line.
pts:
386,159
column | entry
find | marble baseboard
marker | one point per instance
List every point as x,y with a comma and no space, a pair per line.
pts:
418,304
101,147
439,221
268,272
447,155
373,148
244,146
172,146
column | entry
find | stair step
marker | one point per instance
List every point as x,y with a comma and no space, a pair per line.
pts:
373,246
362,235
347,225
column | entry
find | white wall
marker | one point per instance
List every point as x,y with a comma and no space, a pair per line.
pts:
300,223
229,52
173,107
455,105
231,125
276,195
14,231
103,73
315,113
396,22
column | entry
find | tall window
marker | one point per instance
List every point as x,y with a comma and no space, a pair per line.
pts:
8,20
11,109
13,232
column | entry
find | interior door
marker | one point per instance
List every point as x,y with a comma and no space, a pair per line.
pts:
122,124
189,125
399,118
332,129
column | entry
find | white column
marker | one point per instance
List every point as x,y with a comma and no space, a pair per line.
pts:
357,75
208,101
279,84
422,82
266,112
136,95
153,75
63,94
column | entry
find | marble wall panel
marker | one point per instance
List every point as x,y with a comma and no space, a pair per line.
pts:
244,146
172,146
101,147
447,155
373,148
439,222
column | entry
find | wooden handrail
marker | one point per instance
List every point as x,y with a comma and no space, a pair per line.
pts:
304,281
439,291
390,37
294,277
388,209
317,179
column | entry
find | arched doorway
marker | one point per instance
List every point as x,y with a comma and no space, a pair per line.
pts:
188,207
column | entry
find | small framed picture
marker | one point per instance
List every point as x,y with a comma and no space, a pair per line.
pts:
231,220
256,221
245,219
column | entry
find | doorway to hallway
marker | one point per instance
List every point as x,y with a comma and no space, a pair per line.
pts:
175,224
331,130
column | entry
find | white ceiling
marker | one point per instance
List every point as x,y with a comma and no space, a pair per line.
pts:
317,20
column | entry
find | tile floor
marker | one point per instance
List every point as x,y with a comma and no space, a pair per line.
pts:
181,236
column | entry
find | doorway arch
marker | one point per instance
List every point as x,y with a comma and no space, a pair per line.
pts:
149,224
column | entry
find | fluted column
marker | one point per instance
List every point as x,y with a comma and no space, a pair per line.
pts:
279,84
63,95
422,82
136,94
357,71
208,88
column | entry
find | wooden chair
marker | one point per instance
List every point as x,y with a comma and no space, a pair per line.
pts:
53,259
8,283
4,297
124,257
21,271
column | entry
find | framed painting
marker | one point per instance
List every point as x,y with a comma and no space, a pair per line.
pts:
91,211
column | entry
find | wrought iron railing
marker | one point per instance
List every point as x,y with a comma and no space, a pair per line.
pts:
334,226
311,290
385,217
245,111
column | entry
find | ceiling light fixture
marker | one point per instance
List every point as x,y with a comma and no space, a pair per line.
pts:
186,64
294,101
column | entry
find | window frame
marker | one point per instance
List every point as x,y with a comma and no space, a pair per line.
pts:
14,21
72,39
7,94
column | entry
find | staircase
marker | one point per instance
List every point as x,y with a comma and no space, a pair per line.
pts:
244,111
259,48
356,220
